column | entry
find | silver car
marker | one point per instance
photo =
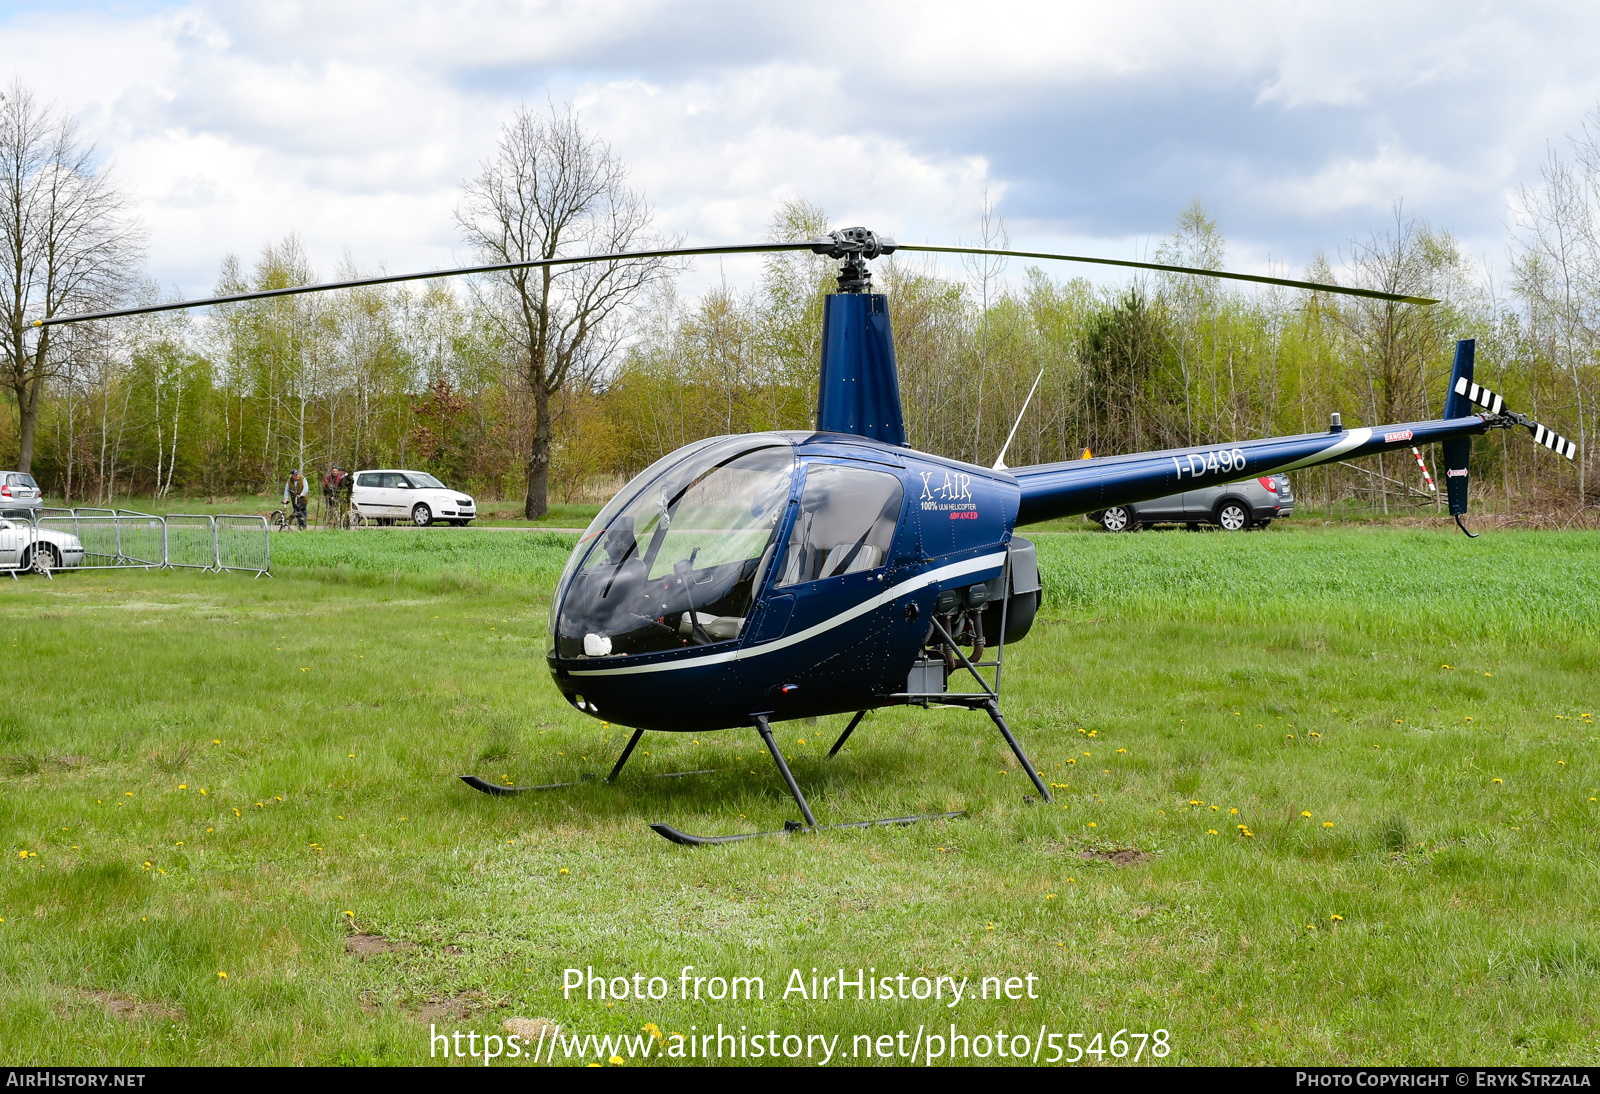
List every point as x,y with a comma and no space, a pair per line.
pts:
1233,506
24,547
19,491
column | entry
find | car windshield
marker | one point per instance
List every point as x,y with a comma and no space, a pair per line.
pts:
678,563
424,481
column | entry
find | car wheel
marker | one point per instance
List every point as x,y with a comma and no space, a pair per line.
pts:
421,516
1233,516
1117,519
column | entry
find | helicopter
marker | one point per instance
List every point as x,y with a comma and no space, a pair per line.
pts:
757,578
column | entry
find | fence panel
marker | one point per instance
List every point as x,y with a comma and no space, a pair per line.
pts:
191,541
141,539
80,541
244,545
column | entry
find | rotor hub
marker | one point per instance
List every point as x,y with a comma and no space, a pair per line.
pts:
855,247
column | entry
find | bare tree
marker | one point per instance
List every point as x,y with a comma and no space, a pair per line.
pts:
65,244
983,273
551,190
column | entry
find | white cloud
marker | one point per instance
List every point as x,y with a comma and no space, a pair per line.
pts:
353,124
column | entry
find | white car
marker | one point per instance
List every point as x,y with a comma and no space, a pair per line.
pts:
23,547
416,496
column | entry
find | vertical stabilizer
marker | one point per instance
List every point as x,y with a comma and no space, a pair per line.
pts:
860,385
1458,451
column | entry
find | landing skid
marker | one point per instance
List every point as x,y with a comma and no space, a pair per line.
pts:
502,791
688,839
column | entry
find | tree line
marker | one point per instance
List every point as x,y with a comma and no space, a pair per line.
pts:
556,383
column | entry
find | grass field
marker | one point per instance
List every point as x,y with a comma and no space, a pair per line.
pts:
496,514
207,775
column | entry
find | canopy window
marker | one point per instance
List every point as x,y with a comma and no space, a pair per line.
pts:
845,525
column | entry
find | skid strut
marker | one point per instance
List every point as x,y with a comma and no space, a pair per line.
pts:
845,736
689,839
783,769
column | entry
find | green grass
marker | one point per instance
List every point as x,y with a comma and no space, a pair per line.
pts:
333,705
496,514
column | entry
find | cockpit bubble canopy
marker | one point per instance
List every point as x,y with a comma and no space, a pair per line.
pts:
674,561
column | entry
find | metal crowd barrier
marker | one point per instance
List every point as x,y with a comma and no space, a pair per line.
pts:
48,539
244,545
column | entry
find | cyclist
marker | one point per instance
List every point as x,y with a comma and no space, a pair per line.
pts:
297,490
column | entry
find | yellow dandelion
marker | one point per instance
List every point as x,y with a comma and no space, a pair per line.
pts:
1497,780
564,870
216,740
1327,824
1211,831
1233,812
991,926
221,975
1215,808
1311,926
204,791
1092,824
1336,917
351,914
1122,751
1195,801
1304,814
1049,896
1315,736
183,786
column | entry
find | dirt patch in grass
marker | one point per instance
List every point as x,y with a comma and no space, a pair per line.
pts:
434,1008
365,945
1125,857
132,1008
531,1030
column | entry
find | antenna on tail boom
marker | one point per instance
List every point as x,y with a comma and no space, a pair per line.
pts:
1000,460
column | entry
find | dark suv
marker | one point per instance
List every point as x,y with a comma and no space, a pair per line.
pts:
1233,506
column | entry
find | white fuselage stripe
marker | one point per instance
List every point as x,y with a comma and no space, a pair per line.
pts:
1354,438
911,585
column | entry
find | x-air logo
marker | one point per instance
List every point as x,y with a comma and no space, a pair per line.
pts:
952,494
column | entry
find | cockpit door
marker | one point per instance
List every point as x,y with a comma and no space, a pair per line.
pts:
836,557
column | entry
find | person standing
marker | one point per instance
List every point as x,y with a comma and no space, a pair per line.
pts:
297,491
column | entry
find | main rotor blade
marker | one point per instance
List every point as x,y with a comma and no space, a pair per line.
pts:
390,279
1312,285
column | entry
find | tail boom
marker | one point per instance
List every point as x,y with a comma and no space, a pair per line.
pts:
1054,490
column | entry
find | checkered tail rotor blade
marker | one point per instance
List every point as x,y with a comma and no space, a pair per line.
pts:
1495,404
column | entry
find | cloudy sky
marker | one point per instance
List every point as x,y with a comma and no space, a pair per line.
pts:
353,124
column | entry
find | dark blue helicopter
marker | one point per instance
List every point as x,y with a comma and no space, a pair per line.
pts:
749,579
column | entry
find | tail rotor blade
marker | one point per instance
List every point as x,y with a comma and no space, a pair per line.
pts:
1495,404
